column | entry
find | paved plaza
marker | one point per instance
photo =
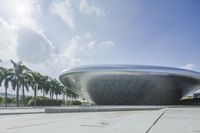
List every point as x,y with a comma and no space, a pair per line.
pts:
169,120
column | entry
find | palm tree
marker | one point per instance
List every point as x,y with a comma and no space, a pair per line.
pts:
25,80
74,95
52,87
55,88
38,82
70,94
65,91
1,75
59,90
46,85
6,76
18,74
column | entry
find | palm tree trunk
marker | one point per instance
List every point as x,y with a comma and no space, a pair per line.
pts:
23,95
51,95
43,93
35,95
17,95
5,97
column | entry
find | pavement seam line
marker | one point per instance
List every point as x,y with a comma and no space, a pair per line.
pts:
31,125
155,121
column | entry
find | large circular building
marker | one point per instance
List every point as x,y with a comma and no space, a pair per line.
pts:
131,84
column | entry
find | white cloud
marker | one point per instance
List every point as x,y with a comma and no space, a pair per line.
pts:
21,12
81,49
22,36
87,7
32,47
29,46
8,41
64,10
188,66
19,16
108,43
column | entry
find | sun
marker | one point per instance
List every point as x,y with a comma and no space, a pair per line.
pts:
23,12
21,9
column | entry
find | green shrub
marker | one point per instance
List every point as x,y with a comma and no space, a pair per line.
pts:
11,100
67,102
27,99
73,102
43,101
76,102
1,100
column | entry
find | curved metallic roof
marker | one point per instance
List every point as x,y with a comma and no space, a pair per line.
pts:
134,68
131,84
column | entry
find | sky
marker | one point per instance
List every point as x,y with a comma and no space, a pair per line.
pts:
51,35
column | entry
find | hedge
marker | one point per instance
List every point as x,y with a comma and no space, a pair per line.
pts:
40,101
43,101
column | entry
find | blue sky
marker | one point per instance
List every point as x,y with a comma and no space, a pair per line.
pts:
156,32
51,35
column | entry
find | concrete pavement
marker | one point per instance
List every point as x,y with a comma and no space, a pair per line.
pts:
20,110
168,120
178,120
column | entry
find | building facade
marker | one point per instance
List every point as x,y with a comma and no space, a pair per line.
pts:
131,84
